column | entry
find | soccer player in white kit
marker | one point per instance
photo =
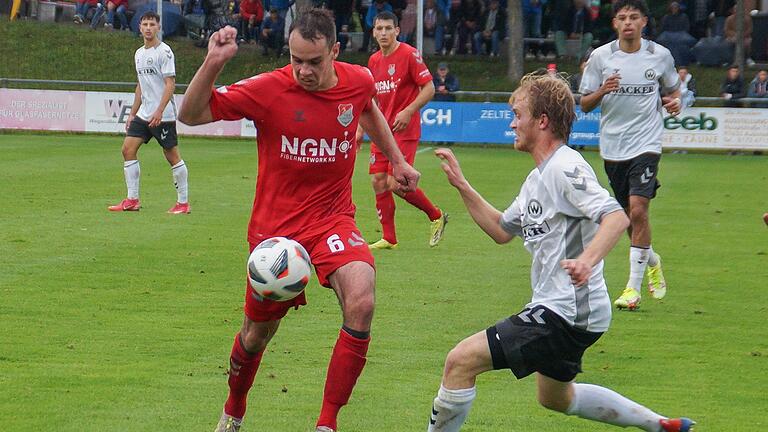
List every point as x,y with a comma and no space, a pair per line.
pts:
631,79
568,222
153,115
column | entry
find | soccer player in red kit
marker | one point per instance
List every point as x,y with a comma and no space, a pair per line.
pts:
307,114
403,86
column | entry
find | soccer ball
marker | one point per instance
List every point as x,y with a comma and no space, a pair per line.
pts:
279,268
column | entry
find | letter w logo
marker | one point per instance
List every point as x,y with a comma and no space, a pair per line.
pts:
113,108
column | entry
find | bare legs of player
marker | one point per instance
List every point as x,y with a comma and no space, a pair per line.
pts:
472,356
384,185
354,286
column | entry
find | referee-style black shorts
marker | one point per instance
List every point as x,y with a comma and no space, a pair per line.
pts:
636,176
164,133
539,340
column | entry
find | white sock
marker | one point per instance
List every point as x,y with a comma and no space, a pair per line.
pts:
652,260
638,260
597,403
132,173
180,181
450,409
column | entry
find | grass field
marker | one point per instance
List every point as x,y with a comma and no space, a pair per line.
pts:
124,322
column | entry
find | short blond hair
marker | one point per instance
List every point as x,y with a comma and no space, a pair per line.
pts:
550,95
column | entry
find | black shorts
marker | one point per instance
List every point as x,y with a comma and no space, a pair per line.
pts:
636,176
164,133
539,340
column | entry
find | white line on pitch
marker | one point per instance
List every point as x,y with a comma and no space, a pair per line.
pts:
423,150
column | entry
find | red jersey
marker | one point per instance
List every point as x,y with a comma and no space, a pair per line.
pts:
399,77
306,146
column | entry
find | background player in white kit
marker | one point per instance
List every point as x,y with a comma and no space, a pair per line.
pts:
569,223
627,78
153,114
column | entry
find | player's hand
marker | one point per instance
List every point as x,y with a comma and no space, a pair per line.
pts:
156,118
222,45
451,167
401,120
578,270
128,121
611,84
672,105
406,176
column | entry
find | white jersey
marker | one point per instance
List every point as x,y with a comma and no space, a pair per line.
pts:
557,214
632,121
153,65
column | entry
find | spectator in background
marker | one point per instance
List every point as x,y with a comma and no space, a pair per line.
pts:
730,33
698,15
532,17
674,34
470,14
445,84
408,23
113,6
758,88
342,12
576,24
398,6
281,6
194,19
574,81
733,84
376,7
84,8
251,17
362,7
687,86
491,30
720,9
272,33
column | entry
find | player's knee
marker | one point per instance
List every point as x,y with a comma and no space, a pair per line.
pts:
638,215
457,363
253,340
358,312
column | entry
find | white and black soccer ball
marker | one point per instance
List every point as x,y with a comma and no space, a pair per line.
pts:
279,268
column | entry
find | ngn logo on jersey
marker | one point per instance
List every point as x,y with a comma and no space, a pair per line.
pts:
311,150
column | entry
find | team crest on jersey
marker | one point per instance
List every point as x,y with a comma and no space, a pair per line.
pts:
373,159
345,114
650,74
391,70
534,208
149,60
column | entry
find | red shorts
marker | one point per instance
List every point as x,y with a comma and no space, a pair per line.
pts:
380,163
330,247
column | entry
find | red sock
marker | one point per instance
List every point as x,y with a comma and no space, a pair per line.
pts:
346,364
419,200
242,369
385,206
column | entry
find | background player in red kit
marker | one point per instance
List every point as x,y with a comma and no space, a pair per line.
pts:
307,114
403,86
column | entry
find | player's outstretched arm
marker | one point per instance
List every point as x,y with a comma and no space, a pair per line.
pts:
374,123
611,228
195,109
486,216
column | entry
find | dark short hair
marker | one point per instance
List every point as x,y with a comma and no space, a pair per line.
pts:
631,4
150,15
733,66
314,24
386,16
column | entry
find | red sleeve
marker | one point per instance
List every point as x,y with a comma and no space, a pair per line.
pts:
418,69
244,99
367,78
259,11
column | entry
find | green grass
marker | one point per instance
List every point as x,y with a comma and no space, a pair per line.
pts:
124,322
67,52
